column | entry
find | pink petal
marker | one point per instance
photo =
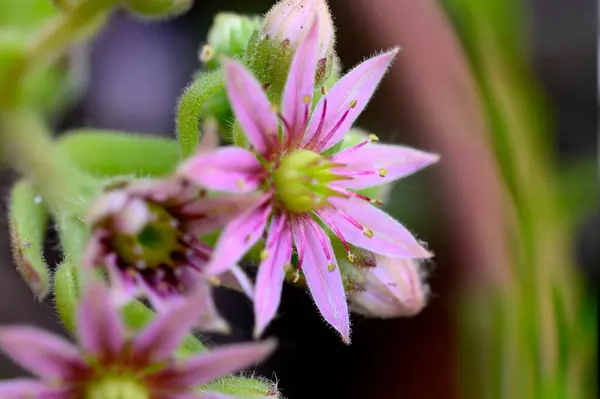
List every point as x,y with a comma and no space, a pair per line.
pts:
44,354
122,287
389,238
385,162
357,86
208,366
239,236
269,280
99,328
325,287
251,107
230,169
163,335
207,215
23,388
300,84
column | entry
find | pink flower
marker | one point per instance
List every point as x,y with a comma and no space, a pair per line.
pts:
109,362
302,189
145,234
387,288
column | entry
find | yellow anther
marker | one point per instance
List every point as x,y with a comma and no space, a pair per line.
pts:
376,202
352,103
331,267
287,267
373,137
214,280
306,99
383,172
296,277
368,233
274,108
207,53
324,90
351,257
240,183
264,254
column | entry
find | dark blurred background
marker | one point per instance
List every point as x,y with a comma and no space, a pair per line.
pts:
138,70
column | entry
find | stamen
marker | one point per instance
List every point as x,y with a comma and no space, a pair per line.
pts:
347,193
324,90
306,99
207,53
373,137
351,257
321,237
335,229
287,128
350,150
334,130
383,172
368,233
274,108
330,267
353,103
317,133
264,254
266,86
296,276
214,280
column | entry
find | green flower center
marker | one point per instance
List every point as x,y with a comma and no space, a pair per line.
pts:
116,387
302,181
154,244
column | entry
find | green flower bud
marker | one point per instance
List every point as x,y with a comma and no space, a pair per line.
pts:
229,35
158,9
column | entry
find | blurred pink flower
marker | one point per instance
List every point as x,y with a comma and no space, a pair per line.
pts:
110,362
145,234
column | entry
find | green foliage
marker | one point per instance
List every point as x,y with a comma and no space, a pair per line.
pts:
192,107
28,220
109,153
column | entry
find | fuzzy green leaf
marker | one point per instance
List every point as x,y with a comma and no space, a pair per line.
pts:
192,105
28,221
110,153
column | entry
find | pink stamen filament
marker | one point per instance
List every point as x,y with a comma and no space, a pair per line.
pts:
335,229
349,150
300,243
317,133
286,127
320,235
349,193
332,132
350,219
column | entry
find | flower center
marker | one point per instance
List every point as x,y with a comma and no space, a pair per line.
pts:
116,387
302,181
154,244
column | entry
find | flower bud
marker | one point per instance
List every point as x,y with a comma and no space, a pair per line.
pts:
270,51
158,9
388,288
229,36
288,21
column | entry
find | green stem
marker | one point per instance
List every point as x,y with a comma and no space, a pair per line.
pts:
191,105
26,144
